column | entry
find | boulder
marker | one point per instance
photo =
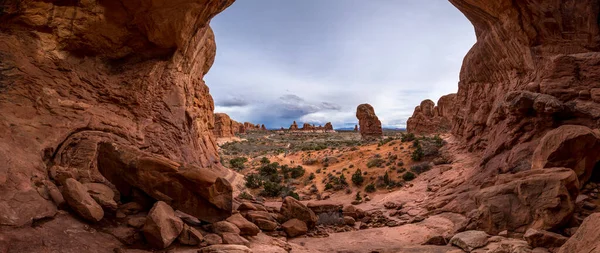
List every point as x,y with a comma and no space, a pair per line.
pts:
569,146
233,238
254,215
213,239
353,212
103,195
292,208
162,226
542,199
540,238
225,227
294,227
246,206
266,225
470,240
246,227
225,248
190,236
80,201
349,221
136,222
586,239
370,126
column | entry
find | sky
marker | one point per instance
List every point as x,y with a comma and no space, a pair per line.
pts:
315,61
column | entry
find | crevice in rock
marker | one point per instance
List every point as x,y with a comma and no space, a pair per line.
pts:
595,178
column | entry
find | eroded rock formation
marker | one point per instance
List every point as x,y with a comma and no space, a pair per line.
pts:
306,127
370,126
429,119
226,127
75,76
294,126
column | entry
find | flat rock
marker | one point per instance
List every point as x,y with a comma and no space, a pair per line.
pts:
213,239
266,225
470,240
225,248
102,194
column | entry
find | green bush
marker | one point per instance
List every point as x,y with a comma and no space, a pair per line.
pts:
292,194
269,169
407,137
420,168
358,197
342,180
271,189
370,188
386,178
246,196
408,176
417,154
357,177
311,176
238,163
375,162
328,186
400,163
297,172
253,181
265,160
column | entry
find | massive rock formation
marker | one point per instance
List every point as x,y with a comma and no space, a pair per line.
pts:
224,126
428,118
76,76
370,126
534,67
294,126
328,126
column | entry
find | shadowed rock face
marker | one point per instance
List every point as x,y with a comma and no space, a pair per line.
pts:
74,74
547,49
370,126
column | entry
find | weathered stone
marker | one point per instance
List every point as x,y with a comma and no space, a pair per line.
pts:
103,195
246,227
294,227
190,236
370,126
470,240
292,208
136,222
586,239
349,221
266,225
234,238
225,227
80,201
540,238
225,248
213,239
162,226
429,119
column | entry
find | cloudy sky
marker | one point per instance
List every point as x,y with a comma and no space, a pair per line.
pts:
316,60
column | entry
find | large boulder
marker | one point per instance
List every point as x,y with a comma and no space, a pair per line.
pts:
190,236
246,227
540,199
225,227
587,237
80,201
569,146
162,226
200,192
292,208
103,195
294,227
370,126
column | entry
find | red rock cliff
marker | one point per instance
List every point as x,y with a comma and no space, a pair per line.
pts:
77,74
428,118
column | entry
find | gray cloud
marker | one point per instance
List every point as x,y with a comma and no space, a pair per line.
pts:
315,60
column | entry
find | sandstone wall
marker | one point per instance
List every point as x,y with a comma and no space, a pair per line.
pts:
74,74
535,66
429,118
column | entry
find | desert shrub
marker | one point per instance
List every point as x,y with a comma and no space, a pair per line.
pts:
265,160
351,166
268,169
386,178
400,170
246,196
328,186
438,140
400,163
253,181
271,189
342,180
376,162
420,168
407,137
297,172
358,197
238,163
310,161
370,188
357,177
311,176
408,176
417,154
292,194
385,141
318,171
